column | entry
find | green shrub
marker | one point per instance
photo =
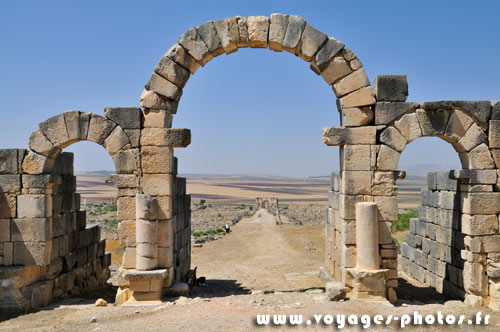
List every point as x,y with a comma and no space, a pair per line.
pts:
196,234
112,223
110,207
403,222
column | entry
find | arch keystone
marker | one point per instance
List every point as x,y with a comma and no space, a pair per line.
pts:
258,31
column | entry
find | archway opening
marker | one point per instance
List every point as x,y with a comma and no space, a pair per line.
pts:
428,231
277,244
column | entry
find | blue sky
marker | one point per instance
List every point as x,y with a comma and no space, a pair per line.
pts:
254,111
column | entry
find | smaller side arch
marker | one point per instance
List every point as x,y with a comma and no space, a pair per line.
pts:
455,126
118,132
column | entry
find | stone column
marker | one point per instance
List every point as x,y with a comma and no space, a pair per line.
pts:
368,257
146,232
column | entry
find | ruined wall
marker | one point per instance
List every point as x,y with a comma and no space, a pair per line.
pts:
46,250
432,251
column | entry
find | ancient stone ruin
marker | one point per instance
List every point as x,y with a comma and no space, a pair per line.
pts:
47,252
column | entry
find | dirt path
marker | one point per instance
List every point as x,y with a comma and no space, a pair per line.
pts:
258,255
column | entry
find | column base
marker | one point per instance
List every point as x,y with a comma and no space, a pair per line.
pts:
368,285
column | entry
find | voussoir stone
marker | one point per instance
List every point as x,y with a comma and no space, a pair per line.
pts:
336,69
472,138
352,82
55,131
173,72
392,137
458,124
152,100
222,28
361,97
388,158
296,25
244,40
163,87
35,163
192,42
99,129
409,127
40,144
116,141
277,31
311,41
258,30
480,158
208,34
180,56
331,48
432,122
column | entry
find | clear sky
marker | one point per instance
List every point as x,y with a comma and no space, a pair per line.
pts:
254,111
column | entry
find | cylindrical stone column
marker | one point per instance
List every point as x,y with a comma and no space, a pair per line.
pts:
367,249
146,232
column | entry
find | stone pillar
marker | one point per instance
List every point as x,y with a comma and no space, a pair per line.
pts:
146,232
368,257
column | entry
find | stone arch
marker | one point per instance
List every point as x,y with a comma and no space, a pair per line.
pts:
328,57
118,132
456,126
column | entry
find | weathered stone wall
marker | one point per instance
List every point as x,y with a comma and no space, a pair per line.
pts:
432,251
47,252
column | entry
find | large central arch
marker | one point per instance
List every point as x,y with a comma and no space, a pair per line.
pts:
328,57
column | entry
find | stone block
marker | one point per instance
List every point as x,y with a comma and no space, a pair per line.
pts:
34,206
387,158
391,87
472,138
134,135
293,35
475,278
126,161
163,87
336,69
458,124
165,210
393,138
356,116
180,56
165,257
361,97
32,253
432,122
126,232
244,39
355,157
479,224
152,100
494,134
158,184
157,119
165,233
384,232
4,232
77,124
480,158
172,137
387,207
208,34
10,183
54,129
331,48
31,230
195,46
9,161
40,144
126,208
258,30
356,182
34,163
173,72
476,176
386,112
277,31
227,40
347,205
99,129
343,136
480,109
125,117
311,41
352,82
116,141
409,127
155,159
